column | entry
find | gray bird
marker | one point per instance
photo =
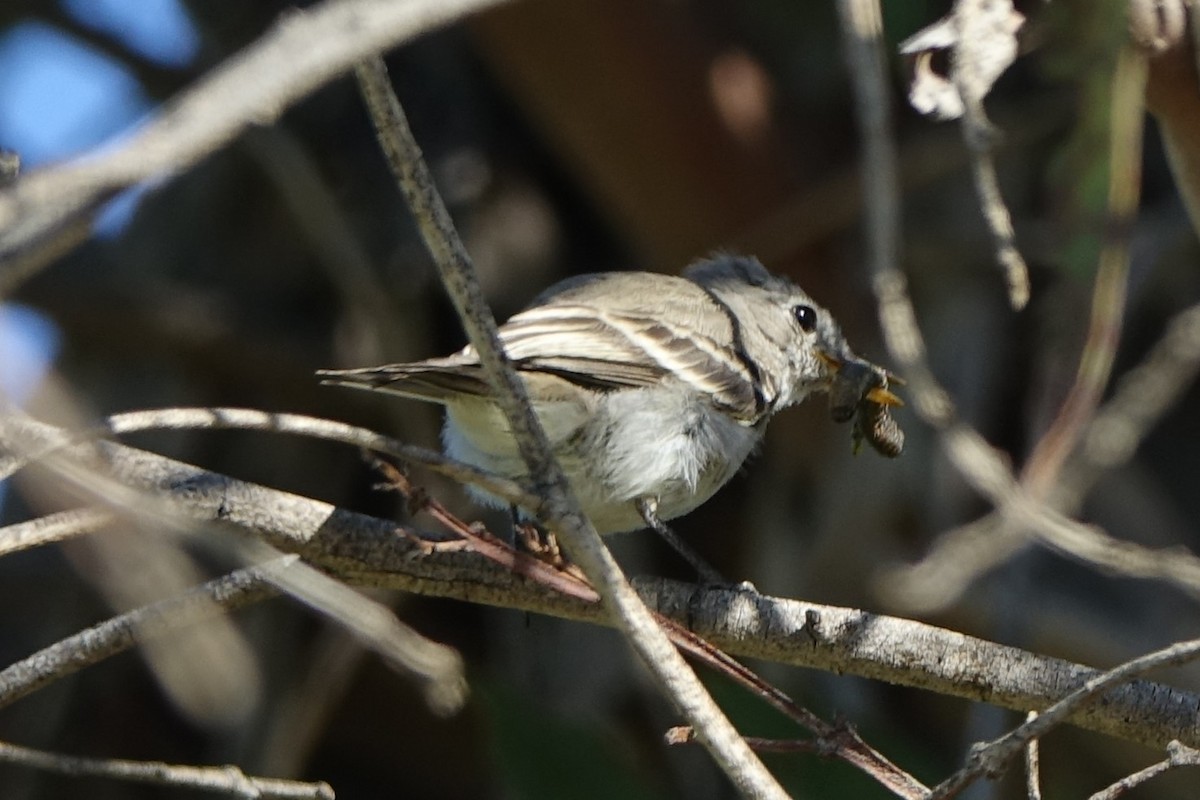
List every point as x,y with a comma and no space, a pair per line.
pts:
652,389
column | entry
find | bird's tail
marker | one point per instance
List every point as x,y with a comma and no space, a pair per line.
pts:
437,380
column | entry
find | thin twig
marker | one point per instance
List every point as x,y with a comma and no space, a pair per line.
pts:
184,418
980,36
53,528
995,212
1033,768
491,547
991,759
563,513
973,20
100,641
226,780
1178,755
832,741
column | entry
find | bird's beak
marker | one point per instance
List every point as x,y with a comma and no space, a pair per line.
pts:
884,397
876,394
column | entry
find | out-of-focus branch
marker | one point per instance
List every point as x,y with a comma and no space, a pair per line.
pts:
1059,471
1168,30
1020,505
1143,395
53,528
437,668
1112,275
981,40
50,440
562,512
304,50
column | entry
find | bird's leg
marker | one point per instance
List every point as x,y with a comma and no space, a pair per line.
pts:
648,508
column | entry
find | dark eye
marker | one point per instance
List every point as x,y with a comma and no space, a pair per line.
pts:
806,316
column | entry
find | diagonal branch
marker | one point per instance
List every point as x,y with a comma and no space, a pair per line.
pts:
562,511
112,636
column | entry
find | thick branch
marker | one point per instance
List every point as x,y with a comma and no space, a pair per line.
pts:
370,551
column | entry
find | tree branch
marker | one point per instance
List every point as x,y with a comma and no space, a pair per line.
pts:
561,510
372,552
305,50
227,779
991,758
115,635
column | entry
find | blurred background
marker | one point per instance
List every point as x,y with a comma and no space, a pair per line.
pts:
568,138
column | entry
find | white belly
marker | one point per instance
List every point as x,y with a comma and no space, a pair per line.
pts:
646,443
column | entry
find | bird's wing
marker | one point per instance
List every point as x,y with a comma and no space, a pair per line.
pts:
585,347
612,350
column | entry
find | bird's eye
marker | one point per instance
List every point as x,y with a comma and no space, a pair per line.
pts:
806,316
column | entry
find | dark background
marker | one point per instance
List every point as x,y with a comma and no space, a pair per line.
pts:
583,136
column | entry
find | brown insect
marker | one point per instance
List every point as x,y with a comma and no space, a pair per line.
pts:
859,391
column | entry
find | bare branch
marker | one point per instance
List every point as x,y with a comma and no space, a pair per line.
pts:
1033,769
227,779
995,211
1178,755
370,552
249,419
437,668
304,50
981,38
122,632
1143,395
562,511
1112,275
53,528
992,758
981,465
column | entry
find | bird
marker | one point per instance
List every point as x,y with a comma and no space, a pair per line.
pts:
653,389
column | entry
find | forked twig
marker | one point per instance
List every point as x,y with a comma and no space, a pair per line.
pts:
992,758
